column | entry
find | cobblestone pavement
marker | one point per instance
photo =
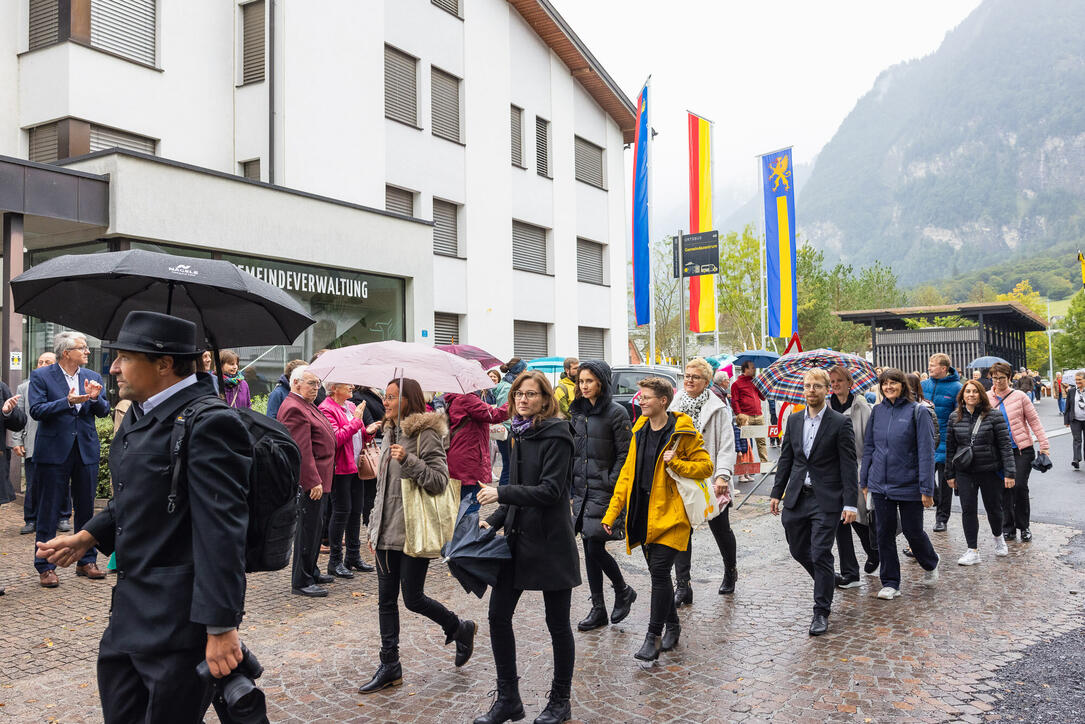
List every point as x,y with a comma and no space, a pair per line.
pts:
931,655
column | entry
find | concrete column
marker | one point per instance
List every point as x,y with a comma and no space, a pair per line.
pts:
11,324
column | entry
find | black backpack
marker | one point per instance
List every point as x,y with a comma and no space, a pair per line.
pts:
272,486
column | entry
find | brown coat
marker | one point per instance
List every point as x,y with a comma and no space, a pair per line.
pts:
315,438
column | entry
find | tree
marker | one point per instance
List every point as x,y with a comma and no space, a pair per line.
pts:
738,288
664,311
1035,342
1070,344
927,296
982,292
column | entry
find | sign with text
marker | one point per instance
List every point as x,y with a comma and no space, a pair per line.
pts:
700,254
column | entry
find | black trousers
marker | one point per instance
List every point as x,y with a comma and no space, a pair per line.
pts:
597,562
307,539
54,481
845,545
503,600
911,522
810,534
1016,510
1076,427
660,561
160,687
725,541
396,571
346,518
970,486
369,498
943,494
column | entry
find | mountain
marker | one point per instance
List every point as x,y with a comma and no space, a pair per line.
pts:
970,156
753,211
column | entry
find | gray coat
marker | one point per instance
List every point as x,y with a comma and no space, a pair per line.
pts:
859,412
25,437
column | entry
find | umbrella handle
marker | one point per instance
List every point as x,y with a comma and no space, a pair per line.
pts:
169,299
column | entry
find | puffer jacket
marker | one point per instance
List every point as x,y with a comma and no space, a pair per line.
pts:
943,394
1022,416
991,449
601,433
898,451
469,450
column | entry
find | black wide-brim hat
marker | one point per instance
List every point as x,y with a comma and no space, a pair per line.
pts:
156,333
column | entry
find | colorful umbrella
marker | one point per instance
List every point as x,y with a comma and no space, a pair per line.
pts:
467,351
782,380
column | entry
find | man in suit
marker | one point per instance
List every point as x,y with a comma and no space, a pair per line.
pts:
65,398
180,590
22,444
817,479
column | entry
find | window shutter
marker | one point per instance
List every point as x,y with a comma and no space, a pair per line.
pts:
43,143
400,86
44,24
102,138
516,121
529,248
452,6
589,162
251,169
590,342
445,228
252,51
446,104
542,146
399,200
446,328
529,340
124,27
589,262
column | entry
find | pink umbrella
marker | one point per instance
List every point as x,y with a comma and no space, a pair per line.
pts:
377,363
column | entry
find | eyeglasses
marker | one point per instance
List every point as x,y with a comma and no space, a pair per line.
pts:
311,383
692,378
84,348
813,386
528,395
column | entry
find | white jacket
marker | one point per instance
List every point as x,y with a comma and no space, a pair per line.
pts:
717,430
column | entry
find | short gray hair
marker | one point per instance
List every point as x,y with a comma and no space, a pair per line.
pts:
330,386
65,341
722,379
298,373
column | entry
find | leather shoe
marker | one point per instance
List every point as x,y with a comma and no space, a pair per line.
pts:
28,528
323,579
1026,535
818,625
940,526
871,564
728,584
48,579
683,594
313,591
359,565
847,581
671,634
64,526
90,571
338,570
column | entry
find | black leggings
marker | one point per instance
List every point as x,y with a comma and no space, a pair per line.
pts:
970,486
369,498
503,600
346,518
660,561
597,561
394,569
725,541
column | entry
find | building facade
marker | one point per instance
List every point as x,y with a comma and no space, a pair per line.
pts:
426,170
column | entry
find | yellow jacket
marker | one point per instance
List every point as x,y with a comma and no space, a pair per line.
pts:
667,521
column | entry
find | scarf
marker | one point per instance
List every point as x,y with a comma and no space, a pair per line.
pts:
692,406
233,380
834,402
520,425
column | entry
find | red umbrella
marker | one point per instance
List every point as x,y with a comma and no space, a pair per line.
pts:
467,351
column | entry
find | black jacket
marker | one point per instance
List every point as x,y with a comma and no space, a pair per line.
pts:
374,406
1068,411
832,465
990,451
534,509
176,573
601,435
15,421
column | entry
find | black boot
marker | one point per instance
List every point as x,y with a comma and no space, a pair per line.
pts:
649,650
357,564
596,618
623,601
507,706
729,578
683,594
464,636
339,570
671,632
389,673
557,709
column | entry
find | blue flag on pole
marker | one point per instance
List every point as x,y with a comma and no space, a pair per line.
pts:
641,261
782,277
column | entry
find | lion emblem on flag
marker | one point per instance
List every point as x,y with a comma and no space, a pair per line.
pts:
780,174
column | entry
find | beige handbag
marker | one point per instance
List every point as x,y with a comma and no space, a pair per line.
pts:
428,519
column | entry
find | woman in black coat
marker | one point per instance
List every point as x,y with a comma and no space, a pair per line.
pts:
534,512
975,424
601,432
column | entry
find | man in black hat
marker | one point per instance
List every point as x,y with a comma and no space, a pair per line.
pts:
180,567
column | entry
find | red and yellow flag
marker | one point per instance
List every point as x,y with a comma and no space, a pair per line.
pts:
702,308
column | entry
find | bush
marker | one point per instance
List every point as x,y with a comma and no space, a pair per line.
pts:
259,404
104,425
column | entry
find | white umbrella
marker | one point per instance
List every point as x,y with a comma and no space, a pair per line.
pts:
377,363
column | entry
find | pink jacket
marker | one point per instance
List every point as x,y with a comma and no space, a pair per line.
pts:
1022,416
345,425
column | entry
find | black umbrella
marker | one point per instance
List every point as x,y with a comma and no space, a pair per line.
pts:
475,555
93,293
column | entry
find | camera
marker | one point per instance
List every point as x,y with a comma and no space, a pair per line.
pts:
236,697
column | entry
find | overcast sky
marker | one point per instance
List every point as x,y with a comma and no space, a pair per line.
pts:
769,74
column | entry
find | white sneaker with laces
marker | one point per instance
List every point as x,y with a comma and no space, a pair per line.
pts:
1000,546
888,593
970,558
931,577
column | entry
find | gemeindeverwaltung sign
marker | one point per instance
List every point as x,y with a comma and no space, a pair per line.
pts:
298,281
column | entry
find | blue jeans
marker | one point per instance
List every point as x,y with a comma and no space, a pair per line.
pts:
503,449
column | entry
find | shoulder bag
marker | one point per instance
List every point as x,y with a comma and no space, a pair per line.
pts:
698,497
963,459
369,461
429,519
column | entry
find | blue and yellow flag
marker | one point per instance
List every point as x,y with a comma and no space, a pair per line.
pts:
779,192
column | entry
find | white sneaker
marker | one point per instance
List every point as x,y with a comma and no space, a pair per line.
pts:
931,577
1000,546
970,558
888,593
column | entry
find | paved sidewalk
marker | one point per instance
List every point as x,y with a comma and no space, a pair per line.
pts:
931,655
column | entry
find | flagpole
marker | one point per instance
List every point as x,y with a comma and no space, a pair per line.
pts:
651,236
716,276
760,251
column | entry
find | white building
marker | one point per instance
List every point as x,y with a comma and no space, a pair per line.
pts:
459,162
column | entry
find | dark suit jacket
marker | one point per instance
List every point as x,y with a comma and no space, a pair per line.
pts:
179,572
1071,400
60,425
315,438
831,465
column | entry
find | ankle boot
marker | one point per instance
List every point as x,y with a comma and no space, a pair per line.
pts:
729,578
557,708
683,594
596,618
507,706
464,636
649,650
671,632
623,601
389,673
338,570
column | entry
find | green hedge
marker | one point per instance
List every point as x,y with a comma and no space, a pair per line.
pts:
104,426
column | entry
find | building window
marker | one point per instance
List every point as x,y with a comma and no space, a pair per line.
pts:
591,342
589,262
399,200
516,125
529,248
400,86
589,162
251,169
530,340
43,144
446,328
446,228
252,42
452,6
542,147
44,24
124,27
445,109
102,138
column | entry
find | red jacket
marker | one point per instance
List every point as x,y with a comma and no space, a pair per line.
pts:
469,420
745,398
315,438
345,426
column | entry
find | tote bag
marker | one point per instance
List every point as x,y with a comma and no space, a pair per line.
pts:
697,496
429,519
